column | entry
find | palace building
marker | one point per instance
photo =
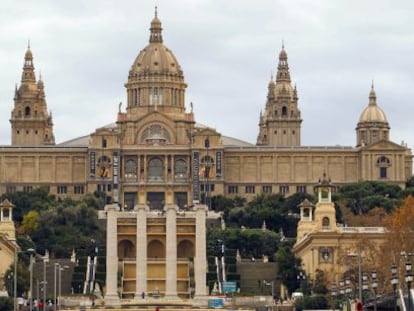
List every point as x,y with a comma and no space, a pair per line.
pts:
156,143
155,165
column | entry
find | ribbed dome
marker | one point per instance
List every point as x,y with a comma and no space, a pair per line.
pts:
156,58
373,113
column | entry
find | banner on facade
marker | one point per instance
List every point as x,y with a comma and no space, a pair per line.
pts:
115,171
218,163
92,164
196,177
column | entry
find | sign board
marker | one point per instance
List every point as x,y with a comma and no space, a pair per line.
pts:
229,287
215,303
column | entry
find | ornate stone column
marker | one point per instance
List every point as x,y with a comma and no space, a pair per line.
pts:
171,247
200,260
141,247
111,295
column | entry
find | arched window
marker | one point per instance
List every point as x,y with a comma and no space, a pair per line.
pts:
156,249
155,170
180,168
325,222
284,111
126,249
27,111
130,169
185,249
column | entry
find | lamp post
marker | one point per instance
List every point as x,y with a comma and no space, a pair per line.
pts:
31,281
342,290
302,278
60,285
394,282
348,291
44,284
56,266
408,280
334,292
364,285
374,287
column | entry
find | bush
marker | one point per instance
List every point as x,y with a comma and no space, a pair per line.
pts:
6,303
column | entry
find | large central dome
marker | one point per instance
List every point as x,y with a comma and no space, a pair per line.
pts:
156,58
155,80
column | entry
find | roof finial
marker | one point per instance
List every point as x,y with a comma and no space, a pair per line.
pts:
283,44
156,11
372,84
28,43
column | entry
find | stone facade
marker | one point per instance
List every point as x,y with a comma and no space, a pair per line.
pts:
8,245
156,143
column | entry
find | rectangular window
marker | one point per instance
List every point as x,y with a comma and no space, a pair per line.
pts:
79,189
249,189
233,189
267,189
10,189
62,189
207,187
301,189
284,190
383,172
27,189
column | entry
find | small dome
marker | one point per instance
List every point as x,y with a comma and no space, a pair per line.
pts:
28,55
373,113
283,54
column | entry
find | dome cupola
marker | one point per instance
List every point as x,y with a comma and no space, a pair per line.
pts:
373,124
156,79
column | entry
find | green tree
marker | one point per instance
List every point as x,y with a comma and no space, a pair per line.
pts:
30,221
289,267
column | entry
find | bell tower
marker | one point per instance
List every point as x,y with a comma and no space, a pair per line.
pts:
31,123
280,124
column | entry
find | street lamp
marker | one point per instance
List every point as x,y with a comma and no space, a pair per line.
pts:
348,291
334,292
16,255
408,280
302,278
374,287
394,282
56,266
341,289
60,285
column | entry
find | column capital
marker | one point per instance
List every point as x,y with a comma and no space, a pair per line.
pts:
111,207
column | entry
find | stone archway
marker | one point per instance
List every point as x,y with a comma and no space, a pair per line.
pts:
126,249
185,249
156,249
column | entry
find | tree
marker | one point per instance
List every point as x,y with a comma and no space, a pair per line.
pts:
289,267
30,221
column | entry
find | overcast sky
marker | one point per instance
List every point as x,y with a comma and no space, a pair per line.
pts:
228,50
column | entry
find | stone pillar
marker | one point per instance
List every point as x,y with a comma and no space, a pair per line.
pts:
111,295
171,249
200,260
141,247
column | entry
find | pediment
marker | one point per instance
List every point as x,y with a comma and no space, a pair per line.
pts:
383,145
